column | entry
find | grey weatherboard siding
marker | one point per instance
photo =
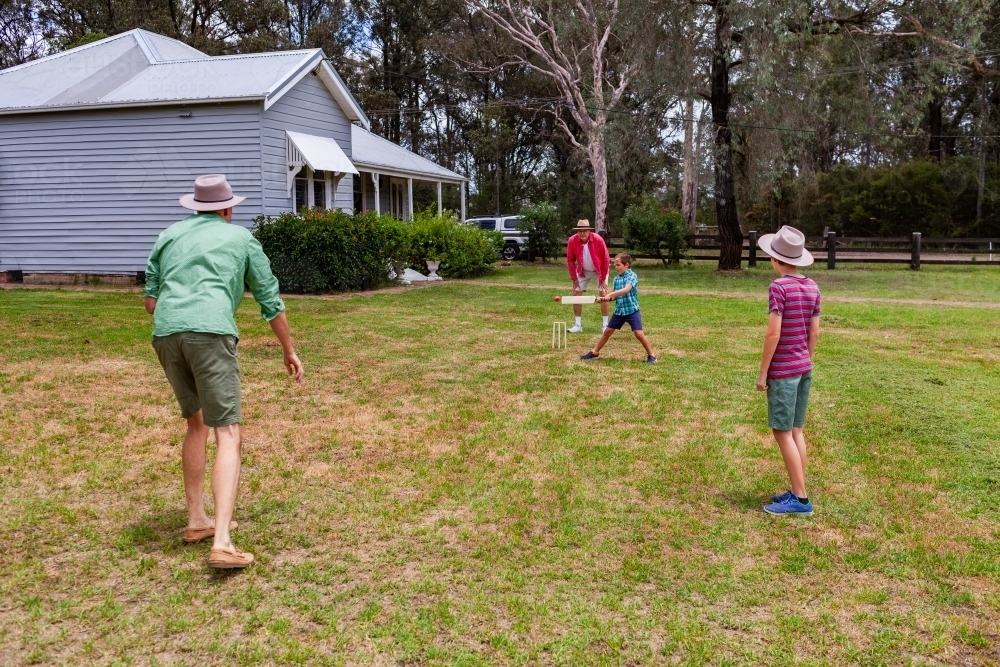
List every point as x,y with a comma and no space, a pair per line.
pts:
309,108
88,191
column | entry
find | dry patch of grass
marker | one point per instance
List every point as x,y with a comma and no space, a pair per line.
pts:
466,495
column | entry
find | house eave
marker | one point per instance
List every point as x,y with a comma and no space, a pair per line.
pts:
404,173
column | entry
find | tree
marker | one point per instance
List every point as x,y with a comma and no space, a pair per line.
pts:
19,34
592,53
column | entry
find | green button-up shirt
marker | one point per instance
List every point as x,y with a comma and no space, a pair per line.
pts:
196,273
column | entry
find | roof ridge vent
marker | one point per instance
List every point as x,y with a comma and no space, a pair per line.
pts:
146,45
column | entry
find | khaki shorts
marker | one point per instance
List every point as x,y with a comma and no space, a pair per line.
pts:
584,280
204,373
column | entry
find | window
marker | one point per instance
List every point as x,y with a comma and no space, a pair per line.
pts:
319,189
510,223
301,191
487,224
358,203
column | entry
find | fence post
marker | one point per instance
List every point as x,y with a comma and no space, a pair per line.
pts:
915,251
752,261
831,250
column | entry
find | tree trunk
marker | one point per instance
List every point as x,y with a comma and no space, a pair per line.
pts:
981,176
599,162
730,234
689,190
936,122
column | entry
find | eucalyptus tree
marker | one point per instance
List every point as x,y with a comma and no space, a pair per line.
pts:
758,48
593,53
20,40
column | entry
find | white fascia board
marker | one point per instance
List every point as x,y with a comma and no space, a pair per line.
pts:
343,95
125,105
402,173
288,82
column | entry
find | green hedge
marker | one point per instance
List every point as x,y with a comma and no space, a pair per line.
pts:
546,232
321,251
651,228
463,250
324,251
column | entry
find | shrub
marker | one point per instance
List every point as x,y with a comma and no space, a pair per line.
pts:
652,229
323,250
463,250
545,231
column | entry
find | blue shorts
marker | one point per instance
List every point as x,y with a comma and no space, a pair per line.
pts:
634,321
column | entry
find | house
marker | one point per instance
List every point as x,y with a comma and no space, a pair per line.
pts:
97,143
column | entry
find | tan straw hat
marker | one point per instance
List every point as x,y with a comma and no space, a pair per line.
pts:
583,225
788,246
211,193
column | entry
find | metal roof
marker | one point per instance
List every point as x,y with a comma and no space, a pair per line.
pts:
140,68
373,153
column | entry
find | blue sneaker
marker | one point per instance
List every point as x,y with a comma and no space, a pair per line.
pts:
782,497
789,506
590,355
650,359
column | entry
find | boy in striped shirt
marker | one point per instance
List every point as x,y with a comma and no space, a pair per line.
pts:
786,365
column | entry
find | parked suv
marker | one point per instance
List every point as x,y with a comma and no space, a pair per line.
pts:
514,240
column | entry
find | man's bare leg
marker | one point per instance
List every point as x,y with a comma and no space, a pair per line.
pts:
793,464
605,307
577,308
193,463
225,481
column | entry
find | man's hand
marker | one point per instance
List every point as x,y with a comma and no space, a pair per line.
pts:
294,366
279,325
150,303
602,289
762,382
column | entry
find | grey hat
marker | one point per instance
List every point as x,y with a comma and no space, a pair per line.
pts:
788,246
211,193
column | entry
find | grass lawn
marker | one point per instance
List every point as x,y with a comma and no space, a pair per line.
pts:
874,281
445,489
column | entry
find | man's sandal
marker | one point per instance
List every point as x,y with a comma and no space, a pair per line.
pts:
228,559
192,535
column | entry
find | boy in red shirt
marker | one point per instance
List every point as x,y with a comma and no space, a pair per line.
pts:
786,365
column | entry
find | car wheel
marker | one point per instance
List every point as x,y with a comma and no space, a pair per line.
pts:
509,252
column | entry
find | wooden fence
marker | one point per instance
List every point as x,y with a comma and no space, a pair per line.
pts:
834,249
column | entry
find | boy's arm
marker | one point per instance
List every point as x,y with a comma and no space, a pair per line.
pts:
611,296
813,335
771,339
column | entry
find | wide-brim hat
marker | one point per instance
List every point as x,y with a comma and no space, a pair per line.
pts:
211,193
788,246
583,226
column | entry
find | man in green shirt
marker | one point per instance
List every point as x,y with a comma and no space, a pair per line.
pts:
194,284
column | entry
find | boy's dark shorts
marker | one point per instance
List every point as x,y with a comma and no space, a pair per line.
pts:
787,400
634,321
204,373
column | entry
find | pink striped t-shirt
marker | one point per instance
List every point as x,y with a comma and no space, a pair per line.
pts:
797,301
